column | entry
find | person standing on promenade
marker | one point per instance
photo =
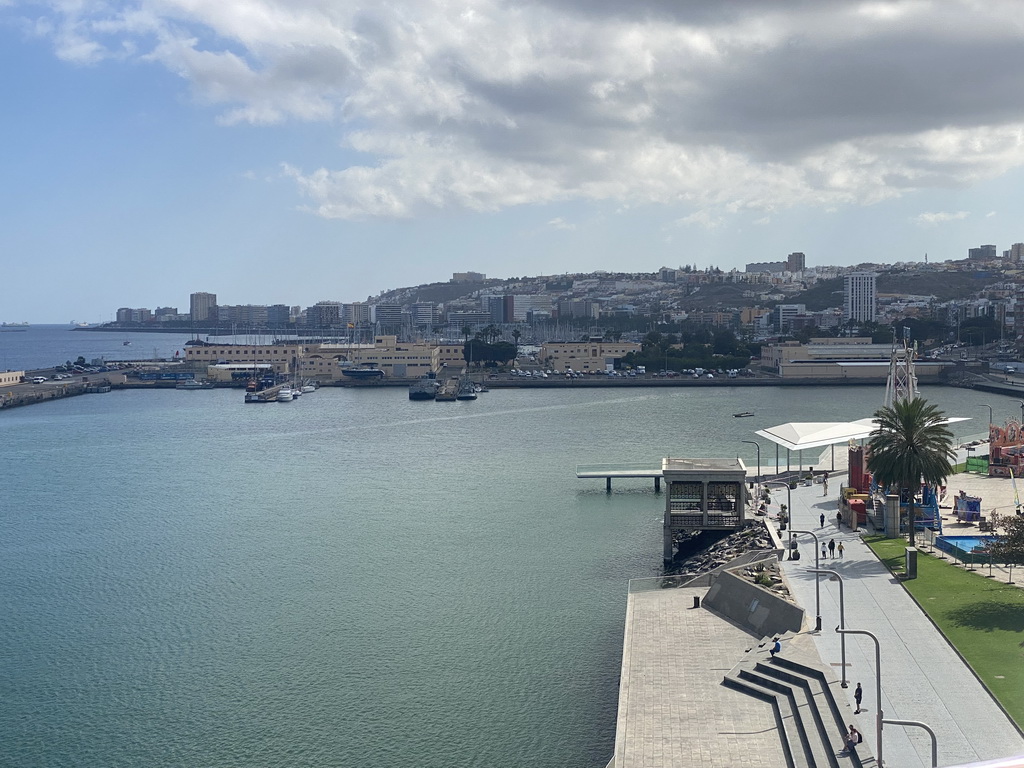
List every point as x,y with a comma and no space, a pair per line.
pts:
821,520
824,483
831,547
824,551
839,520
858,695
840,547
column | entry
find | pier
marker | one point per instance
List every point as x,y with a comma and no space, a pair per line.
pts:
608,471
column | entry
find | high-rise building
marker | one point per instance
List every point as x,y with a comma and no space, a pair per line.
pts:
1015,254
201,307
324,314
982,253
860,297
796,262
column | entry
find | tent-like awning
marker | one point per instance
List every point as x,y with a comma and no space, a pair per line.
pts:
798,435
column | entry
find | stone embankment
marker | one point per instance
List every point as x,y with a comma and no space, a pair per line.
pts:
707,551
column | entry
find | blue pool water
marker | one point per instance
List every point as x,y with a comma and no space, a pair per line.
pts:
962,545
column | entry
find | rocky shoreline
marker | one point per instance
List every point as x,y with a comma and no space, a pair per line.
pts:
704,551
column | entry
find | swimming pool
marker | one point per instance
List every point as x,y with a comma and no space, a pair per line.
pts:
963,547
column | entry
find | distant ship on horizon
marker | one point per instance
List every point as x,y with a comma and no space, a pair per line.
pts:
14,325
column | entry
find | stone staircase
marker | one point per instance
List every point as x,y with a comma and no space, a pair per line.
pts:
811,723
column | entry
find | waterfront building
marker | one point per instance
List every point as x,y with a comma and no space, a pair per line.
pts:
246,315
860,298
9,378
131,315
595,354
830,358
702,494
202,306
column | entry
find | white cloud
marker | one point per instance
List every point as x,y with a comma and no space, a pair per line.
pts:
559,223
939,217
485,104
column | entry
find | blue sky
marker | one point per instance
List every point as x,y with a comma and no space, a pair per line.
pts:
290,152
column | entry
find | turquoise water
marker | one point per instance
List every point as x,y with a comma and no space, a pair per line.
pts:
352,579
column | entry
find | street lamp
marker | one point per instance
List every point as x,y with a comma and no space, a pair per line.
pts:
842,620
758,446
817,578
986,405
789,496
878,688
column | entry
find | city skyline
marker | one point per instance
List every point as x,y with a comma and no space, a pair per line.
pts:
295,154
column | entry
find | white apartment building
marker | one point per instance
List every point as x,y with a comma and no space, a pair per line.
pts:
860,297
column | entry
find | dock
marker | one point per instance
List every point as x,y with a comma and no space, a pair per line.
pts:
608,471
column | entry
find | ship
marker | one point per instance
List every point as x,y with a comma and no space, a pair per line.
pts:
466,390
14,325
363,372
423,389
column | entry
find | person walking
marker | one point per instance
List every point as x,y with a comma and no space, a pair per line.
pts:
840,548
821,520
831,547
839,520
858,695
824,550
824,484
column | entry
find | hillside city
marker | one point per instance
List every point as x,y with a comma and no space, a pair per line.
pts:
971,300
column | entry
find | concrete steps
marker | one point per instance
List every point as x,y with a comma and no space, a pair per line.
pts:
811,723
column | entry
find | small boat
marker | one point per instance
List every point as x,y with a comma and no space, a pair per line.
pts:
466,390
193,384
285,395
423,389
126,343
743,414
307,388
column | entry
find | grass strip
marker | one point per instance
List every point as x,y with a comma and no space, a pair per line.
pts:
983,618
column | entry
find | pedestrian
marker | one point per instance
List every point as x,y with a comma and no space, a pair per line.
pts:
823,551
839,519
821,520
824,484
777,648
831,547
840,547
853,738
857,696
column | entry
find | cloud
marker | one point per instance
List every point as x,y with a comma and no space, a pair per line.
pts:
480,105
559,223
939,217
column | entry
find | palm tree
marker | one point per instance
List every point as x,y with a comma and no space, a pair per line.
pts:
910,444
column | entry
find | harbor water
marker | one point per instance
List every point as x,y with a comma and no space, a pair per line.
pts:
351,579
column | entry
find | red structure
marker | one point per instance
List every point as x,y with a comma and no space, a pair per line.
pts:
1005,449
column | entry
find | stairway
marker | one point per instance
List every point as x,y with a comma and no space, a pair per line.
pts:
811,723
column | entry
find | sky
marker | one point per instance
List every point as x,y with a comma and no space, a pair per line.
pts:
293,151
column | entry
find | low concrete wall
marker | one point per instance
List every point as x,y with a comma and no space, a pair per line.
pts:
752,607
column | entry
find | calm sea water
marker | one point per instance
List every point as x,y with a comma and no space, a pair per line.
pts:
352,579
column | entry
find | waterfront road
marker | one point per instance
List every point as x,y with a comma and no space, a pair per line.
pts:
923,678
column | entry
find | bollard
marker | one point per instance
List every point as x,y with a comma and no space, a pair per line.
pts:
696,601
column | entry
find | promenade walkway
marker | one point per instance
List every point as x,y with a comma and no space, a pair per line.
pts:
922,676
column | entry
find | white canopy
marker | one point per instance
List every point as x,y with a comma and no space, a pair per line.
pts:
798,435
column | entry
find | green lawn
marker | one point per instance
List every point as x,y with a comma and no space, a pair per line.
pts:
983,618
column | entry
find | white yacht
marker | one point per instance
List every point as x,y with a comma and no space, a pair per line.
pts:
285,395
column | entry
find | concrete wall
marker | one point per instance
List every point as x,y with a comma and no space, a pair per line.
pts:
752,607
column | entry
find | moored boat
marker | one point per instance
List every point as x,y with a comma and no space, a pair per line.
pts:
466,390
193,384
743,414
423,389
285,394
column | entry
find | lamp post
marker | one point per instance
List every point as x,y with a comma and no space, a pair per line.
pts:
758,446
918,724
817,578
789,496
878,688
842,621
986,405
